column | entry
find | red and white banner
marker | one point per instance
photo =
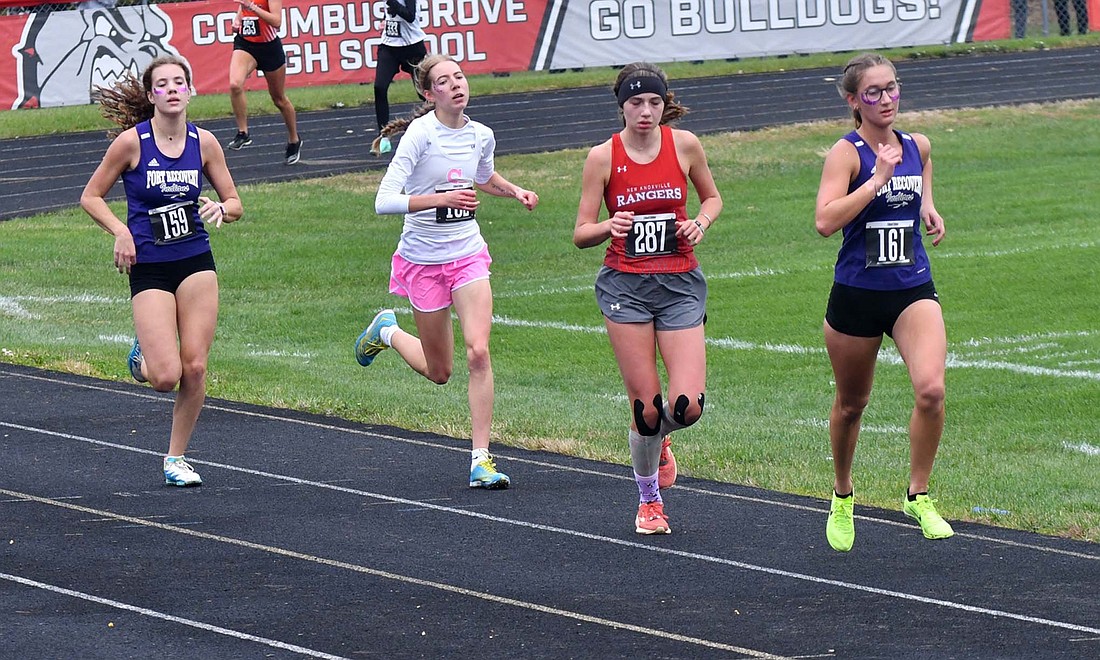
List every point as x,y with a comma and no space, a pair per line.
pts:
58,58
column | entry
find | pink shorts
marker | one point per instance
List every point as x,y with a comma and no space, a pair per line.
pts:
429,286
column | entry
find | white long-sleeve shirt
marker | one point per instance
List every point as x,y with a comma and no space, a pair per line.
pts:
429,155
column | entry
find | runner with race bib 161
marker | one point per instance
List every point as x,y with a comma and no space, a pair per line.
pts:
876,186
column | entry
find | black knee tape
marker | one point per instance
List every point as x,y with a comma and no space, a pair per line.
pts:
639,419
679,411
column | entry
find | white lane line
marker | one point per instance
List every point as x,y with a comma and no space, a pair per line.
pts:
115,339
80,298
546,464
274,353
283,646
441,586
983,254
887,356
721,561
885,429
10,305
719,342
588,283
1083,447
541,291
991,365
1023,339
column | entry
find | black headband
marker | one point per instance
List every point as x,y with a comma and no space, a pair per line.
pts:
643,84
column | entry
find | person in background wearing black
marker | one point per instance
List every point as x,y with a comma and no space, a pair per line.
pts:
402,49
1019,18
1061,9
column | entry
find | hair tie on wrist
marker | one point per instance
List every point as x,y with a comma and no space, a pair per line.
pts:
709,219
222,208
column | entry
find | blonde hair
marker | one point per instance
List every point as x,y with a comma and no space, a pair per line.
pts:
422,80
673,109
853,75
126,103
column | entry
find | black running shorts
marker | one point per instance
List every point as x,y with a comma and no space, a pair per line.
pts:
168,275
869,313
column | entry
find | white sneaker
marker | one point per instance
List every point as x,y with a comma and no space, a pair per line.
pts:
178,472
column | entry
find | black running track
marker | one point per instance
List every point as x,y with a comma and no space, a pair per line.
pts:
318,537
47,173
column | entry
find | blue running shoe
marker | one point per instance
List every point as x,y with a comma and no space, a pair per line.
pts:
370,342
178,472
135,361
484,475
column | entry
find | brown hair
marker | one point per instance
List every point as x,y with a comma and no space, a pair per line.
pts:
421,80
853,75
126,103
673,109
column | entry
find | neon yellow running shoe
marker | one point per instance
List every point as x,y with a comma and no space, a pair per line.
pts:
923,510
841,528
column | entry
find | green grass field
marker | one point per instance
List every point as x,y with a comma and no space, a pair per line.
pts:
1018,276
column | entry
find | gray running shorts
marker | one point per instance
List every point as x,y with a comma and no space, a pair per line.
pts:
670,301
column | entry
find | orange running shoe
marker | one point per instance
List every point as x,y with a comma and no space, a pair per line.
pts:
666,467
651,519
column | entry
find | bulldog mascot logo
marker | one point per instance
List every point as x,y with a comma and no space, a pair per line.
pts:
65,55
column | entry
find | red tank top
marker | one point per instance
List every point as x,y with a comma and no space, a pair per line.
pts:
657,194
254,28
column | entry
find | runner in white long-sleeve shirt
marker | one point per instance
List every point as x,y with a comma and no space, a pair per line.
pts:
441,259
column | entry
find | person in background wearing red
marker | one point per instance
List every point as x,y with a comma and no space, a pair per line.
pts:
257,46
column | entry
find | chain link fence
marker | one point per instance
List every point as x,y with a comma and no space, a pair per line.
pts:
1041,18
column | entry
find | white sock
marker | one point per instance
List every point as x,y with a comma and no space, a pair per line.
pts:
477,456
386,334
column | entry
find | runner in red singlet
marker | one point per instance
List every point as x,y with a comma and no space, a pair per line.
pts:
257,46
651,290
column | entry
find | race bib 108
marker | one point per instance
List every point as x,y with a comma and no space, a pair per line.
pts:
445,214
